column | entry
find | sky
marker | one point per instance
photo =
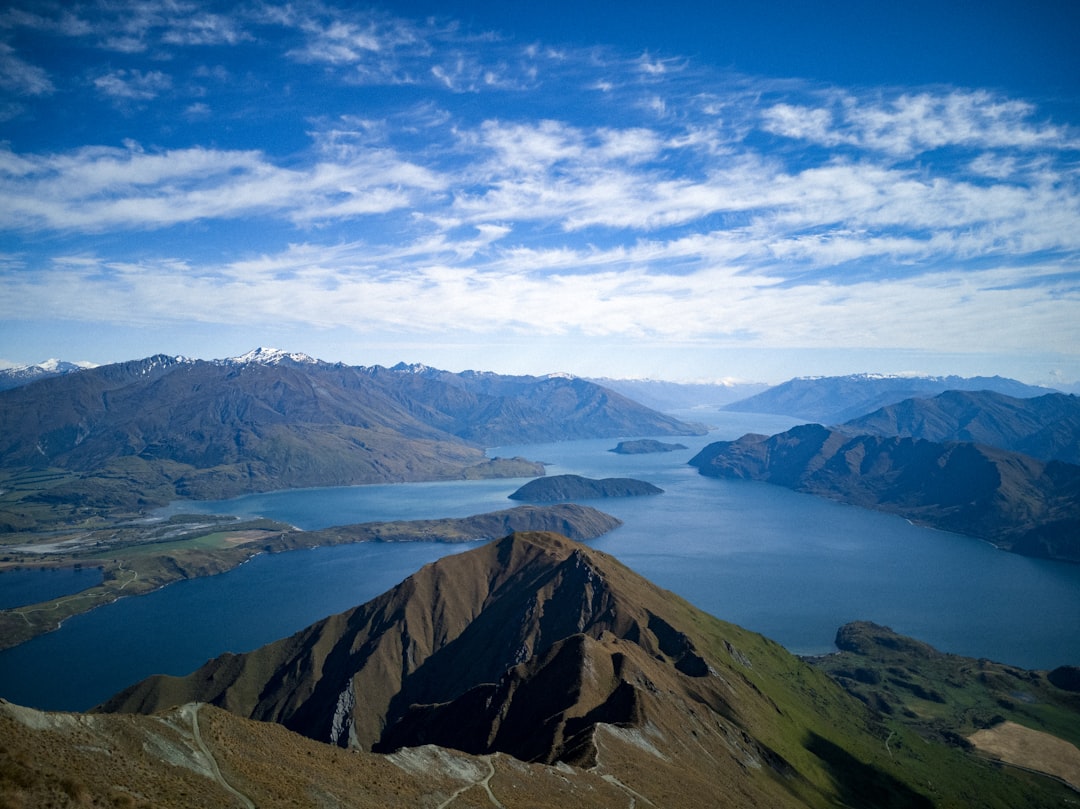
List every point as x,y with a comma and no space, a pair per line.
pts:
692,191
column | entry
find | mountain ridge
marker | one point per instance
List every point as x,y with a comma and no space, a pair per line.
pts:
834,399
144,432
540,648
1045,427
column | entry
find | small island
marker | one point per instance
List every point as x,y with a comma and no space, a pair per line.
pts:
558,488
643,446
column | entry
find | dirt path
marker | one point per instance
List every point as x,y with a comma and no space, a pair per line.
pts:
484,783
191,711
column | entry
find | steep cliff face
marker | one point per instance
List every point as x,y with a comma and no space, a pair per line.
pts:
1015,501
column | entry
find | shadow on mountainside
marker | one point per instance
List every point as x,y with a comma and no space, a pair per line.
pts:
864,785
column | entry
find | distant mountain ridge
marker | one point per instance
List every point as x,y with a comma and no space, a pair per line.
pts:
24,374
832,400
1015,501
162,427
1045,427
664,395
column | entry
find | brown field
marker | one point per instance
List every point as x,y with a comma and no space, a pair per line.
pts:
1032,750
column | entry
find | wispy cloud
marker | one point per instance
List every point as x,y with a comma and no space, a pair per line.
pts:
133,85
20,77
429,178
97,188
908,124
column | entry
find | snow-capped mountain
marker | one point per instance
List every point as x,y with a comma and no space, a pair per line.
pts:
271,356
21,375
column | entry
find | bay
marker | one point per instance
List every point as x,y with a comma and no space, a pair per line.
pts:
793,567
21,587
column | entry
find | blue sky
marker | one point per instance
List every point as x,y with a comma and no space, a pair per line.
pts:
682,190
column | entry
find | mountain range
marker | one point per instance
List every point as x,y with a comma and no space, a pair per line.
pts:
1045,427
665,395
834,399
148,431
23,374
551,653
1017,502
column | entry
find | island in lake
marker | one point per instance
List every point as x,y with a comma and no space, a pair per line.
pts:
558,488
644,446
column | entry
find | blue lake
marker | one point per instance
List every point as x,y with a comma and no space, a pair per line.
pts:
791,566
19,587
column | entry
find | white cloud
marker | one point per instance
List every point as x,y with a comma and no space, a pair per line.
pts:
97,188
912,123
133,85
203,29
621,196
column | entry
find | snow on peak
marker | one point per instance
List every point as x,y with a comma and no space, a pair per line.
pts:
414,368
271,356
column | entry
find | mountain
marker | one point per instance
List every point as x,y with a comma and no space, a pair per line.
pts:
557,488
1017,502
835,399
24,374
501,409
1045,427
545,650
666,396
152,430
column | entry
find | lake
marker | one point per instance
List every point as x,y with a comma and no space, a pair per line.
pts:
21,587
791,566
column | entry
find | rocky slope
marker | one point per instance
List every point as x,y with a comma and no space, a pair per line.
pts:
559,488
835,399
542,649
1017,502
1045,427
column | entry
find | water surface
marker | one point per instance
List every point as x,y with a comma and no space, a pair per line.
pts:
791,566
